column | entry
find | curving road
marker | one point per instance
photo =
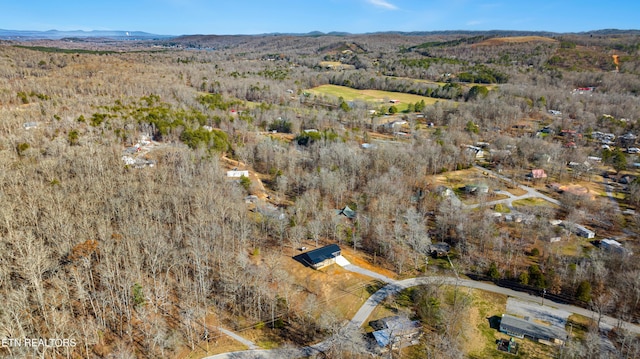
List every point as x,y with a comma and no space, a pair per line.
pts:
395,287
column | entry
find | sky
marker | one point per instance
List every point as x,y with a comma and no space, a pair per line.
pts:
223,17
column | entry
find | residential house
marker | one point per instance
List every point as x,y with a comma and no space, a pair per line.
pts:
521,328
237,174
396,331
347,212
439,249
627,140
29,125
583,231
321,257
614,246
271,211
476,188
537,174
579,230
476,152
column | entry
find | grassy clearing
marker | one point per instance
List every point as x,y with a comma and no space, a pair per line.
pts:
335,289
377,97
530,202
516,191
482,314
483,321
515,39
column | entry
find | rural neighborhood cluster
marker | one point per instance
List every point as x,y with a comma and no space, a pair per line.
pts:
392,195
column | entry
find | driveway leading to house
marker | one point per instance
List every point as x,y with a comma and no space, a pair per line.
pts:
237,337
394,287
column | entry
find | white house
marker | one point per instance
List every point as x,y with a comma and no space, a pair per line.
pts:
237,174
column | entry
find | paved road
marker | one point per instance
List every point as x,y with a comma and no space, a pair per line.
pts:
395,287
242,340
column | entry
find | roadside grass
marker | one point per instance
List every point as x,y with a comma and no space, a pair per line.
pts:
578,326
516,191
377,97
501,208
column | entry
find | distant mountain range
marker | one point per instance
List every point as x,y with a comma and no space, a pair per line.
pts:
140,35
78,34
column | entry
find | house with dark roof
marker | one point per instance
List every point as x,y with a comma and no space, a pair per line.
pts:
321,257
521,328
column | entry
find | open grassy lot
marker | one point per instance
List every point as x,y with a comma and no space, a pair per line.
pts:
515,39
374,96
531,202
483,318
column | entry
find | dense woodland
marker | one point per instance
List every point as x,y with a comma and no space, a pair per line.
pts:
132,261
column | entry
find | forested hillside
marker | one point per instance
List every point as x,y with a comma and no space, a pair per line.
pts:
120,228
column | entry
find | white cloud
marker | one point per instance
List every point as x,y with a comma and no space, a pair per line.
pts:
383,4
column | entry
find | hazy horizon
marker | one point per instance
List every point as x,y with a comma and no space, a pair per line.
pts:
253,17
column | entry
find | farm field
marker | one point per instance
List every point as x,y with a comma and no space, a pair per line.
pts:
373,96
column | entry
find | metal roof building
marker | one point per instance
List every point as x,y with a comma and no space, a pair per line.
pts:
320,257
520,328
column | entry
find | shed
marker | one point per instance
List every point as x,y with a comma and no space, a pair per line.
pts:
320,257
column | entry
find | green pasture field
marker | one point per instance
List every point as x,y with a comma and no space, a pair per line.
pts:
380,98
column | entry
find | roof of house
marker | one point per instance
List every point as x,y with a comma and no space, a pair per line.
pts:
538,173
611,242
389,327
321,254
347,212
516,325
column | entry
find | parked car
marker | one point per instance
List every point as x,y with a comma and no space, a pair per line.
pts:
633,150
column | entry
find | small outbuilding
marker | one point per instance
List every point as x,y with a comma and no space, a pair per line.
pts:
321,257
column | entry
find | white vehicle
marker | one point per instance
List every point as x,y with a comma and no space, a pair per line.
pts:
633,150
